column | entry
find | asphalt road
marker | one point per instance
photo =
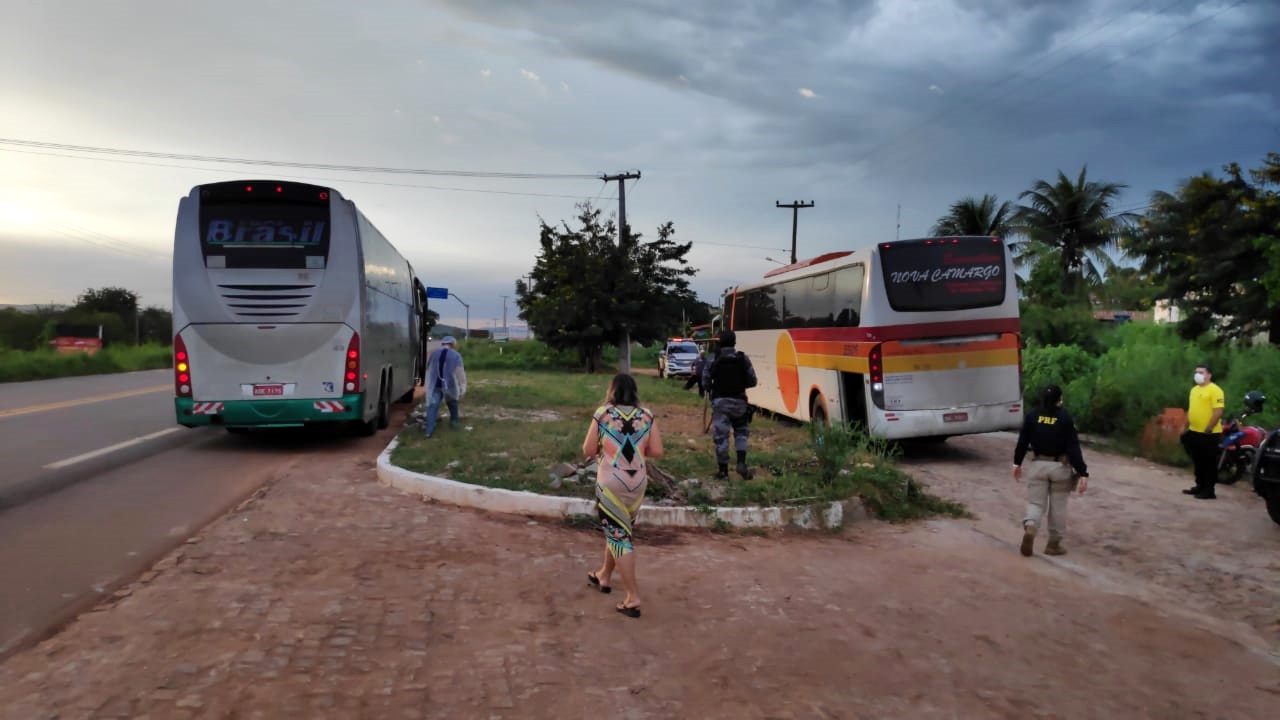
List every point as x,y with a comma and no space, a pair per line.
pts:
56,432
101,482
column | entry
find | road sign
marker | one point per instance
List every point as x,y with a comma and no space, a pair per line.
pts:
437,293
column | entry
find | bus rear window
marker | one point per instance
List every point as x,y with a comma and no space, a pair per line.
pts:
943,273
244,225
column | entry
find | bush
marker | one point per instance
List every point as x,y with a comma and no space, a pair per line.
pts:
1147,369
1057,364
1254,367
515,355
43,364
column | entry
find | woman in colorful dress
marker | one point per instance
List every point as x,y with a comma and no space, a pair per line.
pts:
622,435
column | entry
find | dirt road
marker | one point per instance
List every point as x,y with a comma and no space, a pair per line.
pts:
334,597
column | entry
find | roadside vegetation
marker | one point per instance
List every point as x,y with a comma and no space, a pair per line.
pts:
519,424
135,338
19,365
1141,369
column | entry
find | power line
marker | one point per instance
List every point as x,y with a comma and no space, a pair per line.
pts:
294,177
284,163
732,245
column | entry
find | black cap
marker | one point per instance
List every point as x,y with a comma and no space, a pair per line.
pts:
1052,394
728,338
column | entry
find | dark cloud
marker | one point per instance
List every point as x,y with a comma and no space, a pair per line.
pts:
914,103
873,109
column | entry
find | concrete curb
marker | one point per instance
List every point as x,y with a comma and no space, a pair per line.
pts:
519,502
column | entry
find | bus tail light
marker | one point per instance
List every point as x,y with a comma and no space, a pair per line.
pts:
351,370
181,367
875,366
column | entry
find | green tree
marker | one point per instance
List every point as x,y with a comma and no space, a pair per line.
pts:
1211,245
24,330
155,325
115,300
972,216
1052,317
1073,222
1267,204
588,289
1126,288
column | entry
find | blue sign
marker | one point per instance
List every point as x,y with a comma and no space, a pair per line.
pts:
437,293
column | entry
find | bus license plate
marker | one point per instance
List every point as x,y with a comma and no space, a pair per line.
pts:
268,390
955,417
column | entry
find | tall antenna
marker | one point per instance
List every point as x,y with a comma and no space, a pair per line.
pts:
898,230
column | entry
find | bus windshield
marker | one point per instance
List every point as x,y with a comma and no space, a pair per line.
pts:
944,274
272,225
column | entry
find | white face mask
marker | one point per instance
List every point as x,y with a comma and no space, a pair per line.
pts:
1199,377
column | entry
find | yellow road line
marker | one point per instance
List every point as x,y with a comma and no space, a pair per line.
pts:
82,401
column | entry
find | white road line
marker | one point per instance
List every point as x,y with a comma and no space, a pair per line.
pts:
109,449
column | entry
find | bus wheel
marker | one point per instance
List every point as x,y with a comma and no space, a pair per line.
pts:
384,406
818,411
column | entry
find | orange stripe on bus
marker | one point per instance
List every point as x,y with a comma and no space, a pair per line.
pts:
950,361
914,363
834,362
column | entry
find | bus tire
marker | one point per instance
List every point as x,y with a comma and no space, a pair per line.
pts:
818,410
366,429
384,406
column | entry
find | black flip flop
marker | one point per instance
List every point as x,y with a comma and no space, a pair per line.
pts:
628,610
591,577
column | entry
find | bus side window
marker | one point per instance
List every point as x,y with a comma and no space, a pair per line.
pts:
765,314
848,295
741,315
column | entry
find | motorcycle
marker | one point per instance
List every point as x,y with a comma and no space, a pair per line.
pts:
1239,445
1266,473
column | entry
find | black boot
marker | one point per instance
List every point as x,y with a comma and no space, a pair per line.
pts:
724,472
742,468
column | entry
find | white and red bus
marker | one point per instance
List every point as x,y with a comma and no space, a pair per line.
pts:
913,338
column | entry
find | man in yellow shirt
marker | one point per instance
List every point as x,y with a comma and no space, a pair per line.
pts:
1204,429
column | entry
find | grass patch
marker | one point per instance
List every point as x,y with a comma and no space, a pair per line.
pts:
19,365
519,423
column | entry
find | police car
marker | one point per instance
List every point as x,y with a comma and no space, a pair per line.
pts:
677,358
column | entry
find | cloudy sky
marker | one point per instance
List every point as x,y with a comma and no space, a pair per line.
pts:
724,107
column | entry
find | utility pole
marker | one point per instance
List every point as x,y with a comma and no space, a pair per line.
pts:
795,219
624,233
898,230
504,311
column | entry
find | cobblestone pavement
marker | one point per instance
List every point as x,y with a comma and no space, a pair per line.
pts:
332,596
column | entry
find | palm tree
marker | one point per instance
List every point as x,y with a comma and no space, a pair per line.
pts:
1074,223
971,216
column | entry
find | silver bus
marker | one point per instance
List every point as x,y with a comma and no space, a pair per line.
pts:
290,309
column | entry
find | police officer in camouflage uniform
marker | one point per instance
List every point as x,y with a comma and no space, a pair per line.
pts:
727,378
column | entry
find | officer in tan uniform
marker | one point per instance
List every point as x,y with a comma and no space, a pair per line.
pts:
1057,467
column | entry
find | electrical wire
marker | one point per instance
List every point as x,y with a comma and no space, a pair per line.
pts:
282,163
295,177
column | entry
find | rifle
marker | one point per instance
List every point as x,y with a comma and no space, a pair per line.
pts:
706,426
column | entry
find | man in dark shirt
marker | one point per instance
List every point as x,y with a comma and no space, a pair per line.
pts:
1057,468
